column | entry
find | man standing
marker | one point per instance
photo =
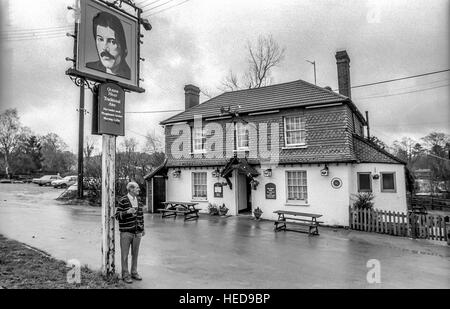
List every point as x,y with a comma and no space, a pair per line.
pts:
131,225
111,46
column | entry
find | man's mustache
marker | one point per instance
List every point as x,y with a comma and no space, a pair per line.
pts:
106,54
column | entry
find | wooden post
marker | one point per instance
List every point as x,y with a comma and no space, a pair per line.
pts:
108,204
81,143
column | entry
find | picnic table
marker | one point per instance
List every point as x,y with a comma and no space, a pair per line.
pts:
300,218
172,209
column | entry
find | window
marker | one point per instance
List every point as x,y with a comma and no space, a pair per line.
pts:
388,182
198,140
242,137
364,182
297,189
294,131
199,186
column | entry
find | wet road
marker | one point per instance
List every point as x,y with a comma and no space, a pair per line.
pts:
225,252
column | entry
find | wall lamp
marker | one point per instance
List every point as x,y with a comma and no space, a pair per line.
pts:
176,174
147,26
268,172
324,171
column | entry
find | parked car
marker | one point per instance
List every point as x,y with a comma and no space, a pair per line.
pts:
23,179
46,180
65,182
5,180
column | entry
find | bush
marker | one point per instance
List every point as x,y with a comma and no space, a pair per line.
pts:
223,210
213,209
363,200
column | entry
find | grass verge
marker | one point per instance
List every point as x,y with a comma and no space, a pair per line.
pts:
24,267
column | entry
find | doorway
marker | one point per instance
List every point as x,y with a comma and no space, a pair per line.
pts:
244,195
157,193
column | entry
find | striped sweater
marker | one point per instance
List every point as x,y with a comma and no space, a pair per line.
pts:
128,222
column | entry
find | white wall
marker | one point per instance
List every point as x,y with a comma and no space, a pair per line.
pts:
391,201
180,189
322,197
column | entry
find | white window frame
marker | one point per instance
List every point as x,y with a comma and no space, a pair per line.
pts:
240,128
301,130
300,185
196,139
370,181
194,192
382,182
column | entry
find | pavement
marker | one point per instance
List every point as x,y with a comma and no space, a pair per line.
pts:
226,253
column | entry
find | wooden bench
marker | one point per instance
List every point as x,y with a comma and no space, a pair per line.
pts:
311,222
173,209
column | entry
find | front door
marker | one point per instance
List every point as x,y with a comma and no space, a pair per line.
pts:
244,194
159,192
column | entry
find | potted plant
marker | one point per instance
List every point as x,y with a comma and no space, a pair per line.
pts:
213,209
223,210
257,213
254,184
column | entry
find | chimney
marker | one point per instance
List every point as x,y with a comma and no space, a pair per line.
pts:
343,66
192,96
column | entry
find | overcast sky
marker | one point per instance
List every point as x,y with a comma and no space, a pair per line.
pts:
199,41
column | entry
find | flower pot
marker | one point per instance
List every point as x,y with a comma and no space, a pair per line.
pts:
257,214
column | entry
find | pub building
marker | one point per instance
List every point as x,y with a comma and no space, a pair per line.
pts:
291,146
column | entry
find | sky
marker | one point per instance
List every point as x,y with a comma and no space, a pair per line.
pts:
199,41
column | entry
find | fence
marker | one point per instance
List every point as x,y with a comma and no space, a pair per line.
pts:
428,203
399,224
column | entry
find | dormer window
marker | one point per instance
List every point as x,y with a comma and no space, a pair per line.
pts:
198,140
294,131
242,136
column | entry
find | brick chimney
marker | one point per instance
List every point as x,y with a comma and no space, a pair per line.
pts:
192,96
343,67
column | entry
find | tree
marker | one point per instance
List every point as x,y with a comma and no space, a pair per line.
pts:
436,140
9,135
262,58
56,157
153,143
438,147
404,149
28,155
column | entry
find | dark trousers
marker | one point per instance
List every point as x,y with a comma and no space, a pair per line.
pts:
128,240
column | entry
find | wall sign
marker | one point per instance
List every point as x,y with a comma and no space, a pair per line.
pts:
271,191
109,110
336,183
218,190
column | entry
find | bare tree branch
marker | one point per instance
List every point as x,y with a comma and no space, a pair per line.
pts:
263,57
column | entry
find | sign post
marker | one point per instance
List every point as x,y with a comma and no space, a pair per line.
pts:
113,64
108,121
108,203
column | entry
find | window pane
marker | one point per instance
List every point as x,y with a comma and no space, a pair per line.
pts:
295,130
388,182
296,185
364,182
199,185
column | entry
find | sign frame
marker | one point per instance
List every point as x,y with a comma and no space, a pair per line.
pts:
88,64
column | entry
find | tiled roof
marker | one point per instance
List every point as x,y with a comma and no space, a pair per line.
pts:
292,94
367,152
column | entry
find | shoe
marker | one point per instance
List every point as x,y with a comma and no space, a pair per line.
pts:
136,277
127,280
